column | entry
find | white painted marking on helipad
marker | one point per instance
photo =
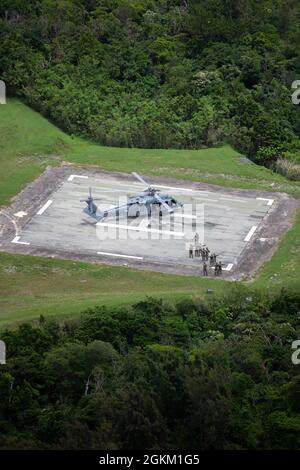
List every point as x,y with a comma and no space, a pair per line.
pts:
71,177
228,267
251,232
138,228
184,216
137,186
178,189
270,201
16,240
119,255
141,185
45,206
20,214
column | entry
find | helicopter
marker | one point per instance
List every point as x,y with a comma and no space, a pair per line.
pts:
148,198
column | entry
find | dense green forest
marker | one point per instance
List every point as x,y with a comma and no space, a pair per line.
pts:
156,375
163,73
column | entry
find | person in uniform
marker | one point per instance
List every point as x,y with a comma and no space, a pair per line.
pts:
220,268
204,269
216,269
211,260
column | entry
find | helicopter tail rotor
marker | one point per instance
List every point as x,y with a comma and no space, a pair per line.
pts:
91,208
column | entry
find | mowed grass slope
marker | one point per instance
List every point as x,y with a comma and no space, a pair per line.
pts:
29,142
32,286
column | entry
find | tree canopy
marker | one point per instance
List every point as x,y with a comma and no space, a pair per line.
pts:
206,375
166,73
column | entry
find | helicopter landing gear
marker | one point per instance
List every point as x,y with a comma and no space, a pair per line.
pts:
159,210
149,212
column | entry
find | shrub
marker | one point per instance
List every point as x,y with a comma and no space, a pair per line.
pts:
288,168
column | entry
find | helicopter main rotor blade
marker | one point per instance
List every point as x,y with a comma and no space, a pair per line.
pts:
159,199
117,208
137,176
92,199
113,209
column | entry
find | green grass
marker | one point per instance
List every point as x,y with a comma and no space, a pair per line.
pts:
29,143
31,286
283,269
218,165
26,141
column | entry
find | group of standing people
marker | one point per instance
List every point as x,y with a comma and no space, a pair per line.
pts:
198,251
217,268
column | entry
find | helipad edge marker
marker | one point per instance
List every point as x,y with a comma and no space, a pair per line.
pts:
250,233
228,267
45,206
270,201
71,177
16,240
119,255
140,229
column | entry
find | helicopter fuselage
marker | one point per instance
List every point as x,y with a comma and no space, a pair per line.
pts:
148,198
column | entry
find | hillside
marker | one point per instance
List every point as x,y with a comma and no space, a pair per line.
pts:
30,142
149,231
31,286
159,74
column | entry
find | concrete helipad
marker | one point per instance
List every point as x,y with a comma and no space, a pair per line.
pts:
53,223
